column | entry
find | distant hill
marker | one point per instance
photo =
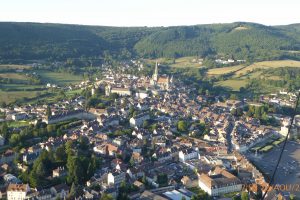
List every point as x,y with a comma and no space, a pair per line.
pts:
29,41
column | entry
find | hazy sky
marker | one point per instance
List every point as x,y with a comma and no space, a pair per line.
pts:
150,12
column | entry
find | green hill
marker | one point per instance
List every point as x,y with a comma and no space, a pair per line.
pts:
31,41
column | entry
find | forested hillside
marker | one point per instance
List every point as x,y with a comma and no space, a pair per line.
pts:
31,41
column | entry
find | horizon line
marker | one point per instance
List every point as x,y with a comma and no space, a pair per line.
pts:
147,26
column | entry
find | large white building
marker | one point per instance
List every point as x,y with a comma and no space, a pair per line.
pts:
219,182
120,91
116,177
139,119
188,154
17,191
74,114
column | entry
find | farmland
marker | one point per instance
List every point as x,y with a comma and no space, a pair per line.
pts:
60,78
14,67
17,85
11,96
267,65
239,76
189,61
232,84
224,70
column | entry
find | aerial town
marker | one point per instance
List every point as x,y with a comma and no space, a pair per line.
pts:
155,139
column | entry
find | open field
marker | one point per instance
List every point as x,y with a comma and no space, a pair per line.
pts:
20,87
15,67
15,76
189,61
267,65
186,62
224,70
9,97
16,124
59,78
232,84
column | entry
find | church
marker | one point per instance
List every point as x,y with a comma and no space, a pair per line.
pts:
162,82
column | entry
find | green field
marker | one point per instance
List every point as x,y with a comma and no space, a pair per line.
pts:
15,67
10,92
19,87
189,61
268,65
9,97
15,76
60,78
243,74
224,70
232,84
186,62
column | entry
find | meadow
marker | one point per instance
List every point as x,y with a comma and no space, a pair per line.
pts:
59,78
242,74
182,62
224,70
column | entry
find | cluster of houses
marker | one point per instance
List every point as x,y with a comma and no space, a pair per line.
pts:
146,153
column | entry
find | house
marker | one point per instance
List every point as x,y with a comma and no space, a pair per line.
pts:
137,157
186,181
41,194
17,191
147,195
60,191
108,121
138,120
219,182
19,116
29,158
9,178
59,172
188,154
139,185
116,177
74,114
8,156
176,195
141,94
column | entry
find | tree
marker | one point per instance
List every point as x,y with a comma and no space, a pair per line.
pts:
14,139
244,196
106,197
69,148
233,97
182,126
4,130
162,179
41,170
83,142
73,191
48,111
60,154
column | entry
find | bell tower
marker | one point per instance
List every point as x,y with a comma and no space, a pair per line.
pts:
155,75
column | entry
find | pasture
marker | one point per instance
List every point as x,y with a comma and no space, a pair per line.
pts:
224,70
9,97
267,65
232,84
59,78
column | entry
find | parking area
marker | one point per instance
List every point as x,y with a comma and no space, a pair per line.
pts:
288,171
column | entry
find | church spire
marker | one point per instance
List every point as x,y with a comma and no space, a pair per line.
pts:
155,75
